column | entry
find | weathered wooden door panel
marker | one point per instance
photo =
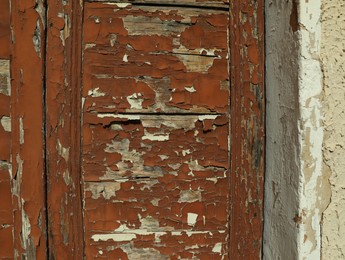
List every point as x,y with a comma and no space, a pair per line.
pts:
155,59
155,135
118,137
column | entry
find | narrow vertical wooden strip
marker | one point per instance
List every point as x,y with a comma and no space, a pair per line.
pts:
63,135
28,182
6,209
248,127
5,29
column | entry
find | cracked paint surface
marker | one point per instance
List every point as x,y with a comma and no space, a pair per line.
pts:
135,161
6,212
155,132
22,217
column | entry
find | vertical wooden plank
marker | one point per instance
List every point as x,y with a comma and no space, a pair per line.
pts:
28,183
6,211
65,225
5,29
247,126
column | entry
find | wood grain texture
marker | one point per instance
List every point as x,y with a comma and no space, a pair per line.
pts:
65,222
247,128
28,180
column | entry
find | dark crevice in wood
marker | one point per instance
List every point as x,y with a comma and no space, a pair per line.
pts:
171,4
44,116
157,113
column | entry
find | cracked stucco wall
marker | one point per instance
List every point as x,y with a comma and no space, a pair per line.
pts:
333,62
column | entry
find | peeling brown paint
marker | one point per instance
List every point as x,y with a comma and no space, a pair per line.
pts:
65,224
155,132
247,128
5,30
28,182
149,117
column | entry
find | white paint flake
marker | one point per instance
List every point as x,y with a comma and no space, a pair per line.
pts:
114,237
21,131
191,218
155,137
217,248
190,89
125,58
95,93
135,101
6,123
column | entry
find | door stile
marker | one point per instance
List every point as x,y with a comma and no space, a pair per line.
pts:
63,119
27,145
247,128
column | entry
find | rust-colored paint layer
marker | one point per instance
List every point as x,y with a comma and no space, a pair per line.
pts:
5,29
28,182
155,132
6,212
247,128
155,59
65,225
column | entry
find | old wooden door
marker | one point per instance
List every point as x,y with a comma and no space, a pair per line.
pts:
131,130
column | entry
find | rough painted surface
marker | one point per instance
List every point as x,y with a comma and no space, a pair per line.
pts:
5,29
27,150
65,224
156,158
314,184
247,128
296,186
6,211
155,132
282,114
333,60
170,60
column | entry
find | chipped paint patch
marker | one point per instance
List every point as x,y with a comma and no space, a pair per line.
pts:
189,196
114,237
155,137
195,63
190,89
21,131
191,218
96,93
63,151
135,101
36,38
6,123
107,190
5,79
217,248
66,29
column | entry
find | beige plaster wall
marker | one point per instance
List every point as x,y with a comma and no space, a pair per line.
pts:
333,62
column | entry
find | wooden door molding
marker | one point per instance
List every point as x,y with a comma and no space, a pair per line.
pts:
27,139
63,120
247,128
